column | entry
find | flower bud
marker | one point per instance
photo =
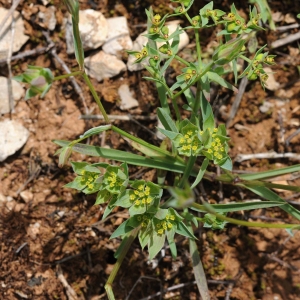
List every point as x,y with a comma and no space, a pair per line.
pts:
196,20
156,19
165,30
39,79
227,52
164,49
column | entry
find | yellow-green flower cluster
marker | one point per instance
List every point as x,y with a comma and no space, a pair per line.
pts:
217,148
144,220
113,180
141,196
88,178
188,142
165,224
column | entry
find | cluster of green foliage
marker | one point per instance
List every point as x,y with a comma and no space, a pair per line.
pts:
156,211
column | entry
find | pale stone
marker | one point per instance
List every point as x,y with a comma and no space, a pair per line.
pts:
5,33
17,91
93,29
26,196
271,83
102,65
138,45
47,18
127,101
12,137
277,17
141,41
118,37
289,19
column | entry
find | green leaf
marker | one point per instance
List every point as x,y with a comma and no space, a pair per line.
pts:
271,173
218,79
170,237
124,200
183,230
163,163
95,130
207,114
121,230
270,195
155,244
145,235
201,172
170,134
166,120
238,206
226,164
198,270
76,184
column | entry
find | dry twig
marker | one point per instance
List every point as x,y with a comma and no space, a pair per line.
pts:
269,155
69,290
237,100
65,67
287,40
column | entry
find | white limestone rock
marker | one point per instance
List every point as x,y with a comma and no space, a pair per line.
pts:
141,41
5,36
127,101
138,45
271,83
13,136
118,37
93,29
18,93
47,17
103,65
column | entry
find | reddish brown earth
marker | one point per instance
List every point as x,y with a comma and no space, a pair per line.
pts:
52,230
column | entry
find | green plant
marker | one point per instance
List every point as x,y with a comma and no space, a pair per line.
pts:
158,211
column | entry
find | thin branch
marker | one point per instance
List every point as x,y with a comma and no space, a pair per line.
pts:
65,67
28,53
11,10
287,40
237,100
268,155
119,117
69,290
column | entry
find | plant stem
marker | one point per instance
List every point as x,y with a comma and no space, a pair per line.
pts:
246,58
189,19
96,97
141,142
182,60
198,48
187,171
244,223
68,75
208,67
129,239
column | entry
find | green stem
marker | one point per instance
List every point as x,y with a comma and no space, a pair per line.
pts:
187,171
68,75
177,112
199,94
198,48
96,97
182,60
246,58
129,239
189,19
208,67
141,142
244,223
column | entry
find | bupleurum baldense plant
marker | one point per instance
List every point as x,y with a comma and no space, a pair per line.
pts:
157,210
